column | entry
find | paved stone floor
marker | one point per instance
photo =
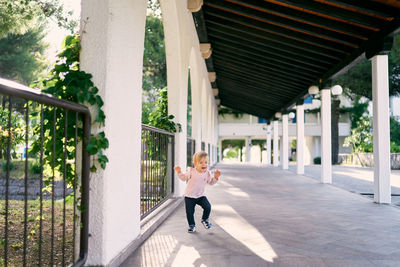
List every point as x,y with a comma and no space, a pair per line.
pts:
355,179
264,216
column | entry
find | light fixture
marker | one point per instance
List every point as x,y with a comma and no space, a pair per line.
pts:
336,90
313,90
291,115
278,114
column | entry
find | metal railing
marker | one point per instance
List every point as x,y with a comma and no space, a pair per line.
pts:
191,147
44,208
157,173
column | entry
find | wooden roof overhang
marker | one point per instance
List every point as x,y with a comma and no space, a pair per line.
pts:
266,54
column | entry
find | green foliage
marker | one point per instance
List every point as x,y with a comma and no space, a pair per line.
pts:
361,139
154,60
394,148
236,143
18,16
159,118
317,160
395,129
66,81
358,82
21,55
22,29
232,154
260,143
35,167
293,144
17,130
224,110
395,135
358,110
147,108
4,165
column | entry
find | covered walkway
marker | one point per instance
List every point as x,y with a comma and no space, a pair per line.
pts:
264,216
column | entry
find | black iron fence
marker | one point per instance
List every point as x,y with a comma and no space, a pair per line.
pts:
157,173
43,186
191,147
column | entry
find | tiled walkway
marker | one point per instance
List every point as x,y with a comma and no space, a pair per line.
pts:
359,180
264,216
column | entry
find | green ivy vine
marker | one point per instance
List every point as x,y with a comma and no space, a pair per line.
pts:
66,81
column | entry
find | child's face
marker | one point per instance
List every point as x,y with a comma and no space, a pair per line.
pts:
201,165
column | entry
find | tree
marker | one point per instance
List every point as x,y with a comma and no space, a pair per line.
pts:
335,113
19,16
360,139
21,56
22,26
237,144
394,135
159,118
358,81
17,130
154,60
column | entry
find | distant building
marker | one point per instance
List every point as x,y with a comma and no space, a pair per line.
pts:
248,127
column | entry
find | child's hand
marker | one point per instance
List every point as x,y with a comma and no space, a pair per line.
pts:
217,174
177,169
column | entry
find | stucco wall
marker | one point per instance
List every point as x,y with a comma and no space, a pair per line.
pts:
112,51
183,52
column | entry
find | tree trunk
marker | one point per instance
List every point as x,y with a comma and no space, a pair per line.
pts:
335,130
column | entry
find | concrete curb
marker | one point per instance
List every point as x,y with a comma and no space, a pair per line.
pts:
148,226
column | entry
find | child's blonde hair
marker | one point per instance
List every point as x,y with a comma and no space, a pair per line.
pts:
199,155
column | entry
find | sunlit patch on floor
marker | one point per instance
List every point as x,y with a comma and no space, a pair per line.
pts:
235,191
240,229
157,250
186,256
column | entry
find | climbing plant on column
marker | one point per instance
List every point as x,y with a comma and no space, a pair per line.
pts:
66,81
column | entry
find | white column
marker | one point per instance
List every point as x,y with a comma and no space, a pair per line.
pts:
300,139
177,80
220,149
326,156
269,144
285,142
248,149
196,117
115,31
381,128
276,144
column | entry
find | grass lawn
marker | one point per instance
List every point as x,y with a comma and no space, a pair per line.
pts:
18,171
16,232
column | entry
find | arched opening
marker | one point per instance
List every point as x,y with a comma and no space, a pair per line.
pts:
154,78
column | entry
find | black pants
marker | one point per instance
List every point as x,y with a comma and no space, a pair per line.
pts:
190,203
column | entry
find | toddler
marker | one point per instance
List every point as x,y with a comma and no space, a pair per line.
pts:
197,178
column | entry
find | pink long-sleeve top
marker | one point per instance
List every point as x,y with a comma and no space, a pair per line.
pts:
196,182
